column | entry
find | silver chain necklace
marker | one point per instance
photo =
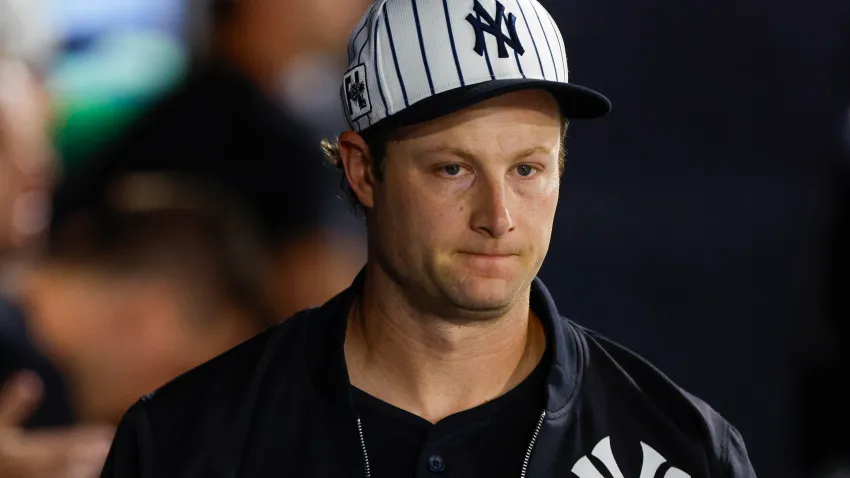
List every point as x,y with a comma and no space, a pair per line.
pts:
525,462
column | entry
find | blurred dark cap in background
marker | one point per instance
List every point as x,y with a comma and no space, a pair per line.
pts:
215,125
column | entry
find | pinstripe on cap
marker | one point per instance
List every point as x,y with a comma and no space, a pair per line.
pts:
412,60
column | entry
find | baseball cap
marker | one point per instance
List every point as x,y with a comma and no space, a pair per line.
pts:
241,141
415,60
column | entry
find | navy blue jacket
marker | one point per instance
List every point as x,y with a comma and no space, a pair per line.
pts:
279,405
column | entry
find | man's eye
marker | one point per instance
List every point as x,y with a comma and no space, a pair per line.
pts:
452,169
525,170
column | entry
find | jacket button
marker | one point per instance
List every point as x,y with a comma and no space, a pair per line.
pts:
436,464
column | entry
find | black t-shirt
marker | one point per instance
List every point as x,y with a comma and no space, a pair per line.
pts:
490,440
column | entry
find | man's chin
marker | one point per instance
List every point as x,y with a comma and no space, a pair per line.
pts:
484,296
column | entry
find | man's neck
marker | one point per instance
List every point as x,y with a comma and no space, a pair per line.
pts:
433,366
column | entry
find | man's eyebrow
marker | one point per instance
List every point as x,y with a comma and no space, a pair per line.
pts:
468,155
462,153
533,151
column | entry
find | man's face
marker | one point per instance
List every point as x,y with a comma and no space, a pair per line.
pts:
464,213
25,157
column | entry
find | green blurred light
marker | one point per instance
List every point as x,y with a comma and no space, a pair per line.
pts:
100,92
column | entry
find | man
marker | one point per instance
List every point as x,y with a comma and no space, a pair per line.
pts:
446,355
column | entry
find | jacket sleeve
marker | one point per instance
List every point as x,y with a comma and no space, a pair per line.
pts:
734,461
131,454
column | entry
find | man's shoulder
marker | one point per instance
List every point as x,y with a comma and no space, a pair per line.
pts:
613,368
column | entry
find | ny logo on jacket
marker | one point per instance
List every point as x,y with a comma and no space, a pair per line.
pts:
652,461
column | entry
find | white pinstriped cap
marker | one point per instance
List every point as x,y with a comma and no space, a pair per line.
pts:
413,60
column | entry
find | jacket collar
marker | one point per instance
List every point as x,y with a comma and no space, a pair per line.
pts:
329,373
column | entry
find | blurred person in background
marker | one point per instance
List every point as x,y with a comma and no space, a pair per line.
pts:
309,77
227,111
25,165
147,275
294,50
33,393
25,156
220,124
309,80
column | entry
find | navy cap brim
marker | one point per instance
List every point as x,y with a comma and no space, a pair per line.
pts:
577,102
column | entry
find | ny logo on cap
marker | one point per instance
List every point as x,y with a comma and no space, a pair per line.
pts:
356,93
484,23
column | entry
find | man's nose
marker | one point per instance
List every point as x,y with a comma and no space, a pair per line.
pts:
492,215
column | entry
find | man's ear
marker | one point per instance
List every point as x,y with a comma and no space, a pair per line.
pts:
357,160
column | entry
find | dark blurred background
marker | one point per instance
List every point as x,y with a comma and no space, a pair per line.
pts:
700,222
705,223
